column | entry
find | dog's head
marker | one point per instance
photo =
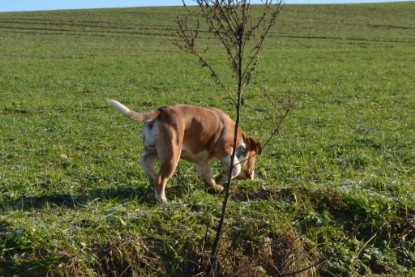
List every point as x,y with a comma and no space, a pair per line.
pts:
248,159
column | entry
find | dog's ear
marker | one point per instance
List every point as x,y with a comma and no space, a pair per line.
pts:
255,145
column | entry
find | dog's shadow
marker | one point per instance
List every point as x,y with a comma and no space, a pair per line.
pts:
72,201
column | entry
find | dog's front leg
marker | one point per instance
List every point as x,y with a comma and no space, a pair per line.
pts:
226,162
206,176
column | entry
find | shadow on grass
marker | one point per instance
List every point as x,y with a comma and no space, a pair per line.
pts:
71,201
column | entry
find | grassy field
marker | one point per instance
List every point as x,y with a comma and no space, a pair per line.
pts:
334,193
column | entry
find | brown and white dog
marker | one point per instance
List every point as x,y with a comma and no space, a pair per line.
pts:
194,134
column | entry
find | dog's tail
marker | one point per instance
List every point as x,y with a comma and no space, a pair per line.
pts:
142,117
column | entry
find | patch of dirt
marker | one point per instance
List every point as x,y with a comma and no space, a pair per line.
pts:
15,111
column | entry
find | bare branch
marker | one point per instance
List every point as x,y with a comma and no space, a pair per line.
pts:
185,39
283,109
286,107
258,47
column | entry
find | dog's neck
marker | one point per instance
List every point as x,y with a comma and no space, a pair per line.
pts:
241,150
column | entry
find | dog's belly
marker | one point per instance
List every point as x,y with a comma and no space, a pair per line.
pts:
188,155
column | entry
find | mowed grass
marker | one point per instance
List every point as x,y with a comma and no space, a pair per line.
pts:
334,191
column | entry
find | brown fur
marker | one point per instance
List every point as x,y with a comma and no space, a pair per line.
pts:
194,134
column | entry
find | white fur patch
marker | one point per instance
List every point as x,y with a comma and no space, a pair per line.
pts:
150,134
227,164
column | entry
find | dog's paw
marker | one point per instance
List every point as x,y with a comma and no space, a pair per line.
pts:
219,188
215,189
221,179
161,199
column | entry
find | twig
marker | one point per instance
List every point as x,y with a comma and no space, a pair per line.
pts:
371,238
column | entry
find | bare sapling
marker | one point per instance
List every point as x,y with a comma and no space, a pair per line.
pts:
242,30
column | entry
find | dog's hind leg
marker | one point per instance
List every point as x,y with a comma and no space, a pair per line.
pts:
169,159
167,168
147,160
206,176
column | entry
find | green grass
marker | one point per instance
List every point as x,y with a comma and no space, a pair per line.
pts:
336,188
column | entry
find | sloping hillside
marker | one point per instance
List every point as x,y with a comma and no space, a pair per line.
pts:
334,193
